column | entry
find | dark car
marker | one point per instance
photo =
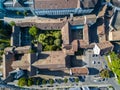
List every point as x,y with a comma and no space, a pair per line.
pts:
72,79
82,78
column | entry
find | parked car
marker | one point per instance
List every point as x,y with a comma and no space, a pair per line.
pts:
93,62
72,79
82,78
97,80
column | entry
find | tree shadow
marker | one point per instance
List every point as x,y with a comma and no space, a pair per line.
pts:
111,74
59,73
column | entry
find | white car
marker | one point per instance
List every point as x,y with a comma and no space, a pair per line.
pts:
93,62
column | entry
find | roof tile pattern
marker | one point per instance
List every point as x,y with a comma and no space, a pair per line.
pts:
55,4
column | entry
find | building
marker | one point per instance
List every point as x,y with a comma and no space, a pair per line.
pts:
49,7
102,48
114,36
78,71
19,57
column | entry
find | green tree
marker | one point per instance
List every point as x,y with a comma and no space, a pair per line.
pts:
57,34
33,31
65,80
30,82
57,42
43,81
105,73
22,82
12,23
18,13
25,13
51,81
41,38
77,80
37,82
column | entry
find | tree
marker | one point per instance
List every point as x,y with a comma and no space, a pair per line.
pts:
43,81
37,82
77,80
12,23
22,82
57,42
18,13
30,82
65,80
41,38
57,35
105,73
33,31
25,13
51,81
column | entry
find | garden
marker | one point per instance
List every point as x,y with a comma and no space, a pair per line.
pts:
50,39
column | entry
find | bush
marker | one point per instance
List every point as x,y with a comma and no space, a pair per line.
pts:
22,82
65,80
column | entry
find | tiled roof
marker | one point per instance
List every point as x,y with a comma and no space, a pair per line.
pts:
104,45
79,71
114,35
55,4
23,49
82,44
51,59
88,3
52,24
66,33
102,12
23,64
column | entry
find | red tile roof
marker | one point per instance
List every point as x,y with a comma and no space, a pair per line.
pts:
79,71
55,4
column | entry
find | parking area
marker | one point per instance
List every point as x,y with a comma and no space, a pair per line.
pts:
94,61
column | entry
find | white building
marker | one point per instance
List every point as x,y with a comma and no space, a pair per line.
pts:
102,48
